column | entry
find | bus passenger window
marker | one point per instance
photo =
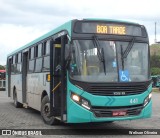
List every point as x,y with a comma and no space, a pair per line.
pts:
38,66
39,50
19,58
18,61
46,48
14,60
13,65
32,61
32,53
46,58
36,51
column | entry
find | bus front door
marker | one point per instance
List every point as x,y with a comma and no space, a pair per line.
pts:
58,79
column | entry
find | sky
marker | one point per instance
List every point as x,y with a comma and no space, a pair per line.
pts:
22,21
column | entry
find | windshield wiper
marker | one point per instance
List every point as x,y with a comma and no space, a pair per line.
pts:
128,49
122,59
100,52
126,52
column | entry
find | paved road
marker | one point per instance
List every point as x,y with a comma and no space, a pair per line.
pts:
21,118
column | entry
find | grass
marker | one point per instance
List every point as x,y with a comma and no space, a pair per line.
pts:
155,90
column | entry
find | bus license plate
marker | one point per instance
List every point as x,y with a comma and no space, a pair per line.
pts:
119,113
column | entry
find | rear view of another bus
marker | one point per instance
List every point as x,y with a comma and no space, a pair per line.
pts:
2,79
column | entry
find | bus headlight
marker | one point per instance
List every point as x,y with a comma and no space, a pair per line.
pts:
147,99
75,98
80,100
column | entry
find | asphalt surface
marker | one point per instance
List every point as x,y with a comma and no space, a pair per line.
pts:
22,118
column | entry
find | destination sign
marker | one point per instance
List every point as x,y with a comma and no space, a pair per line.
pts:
109,28
103,29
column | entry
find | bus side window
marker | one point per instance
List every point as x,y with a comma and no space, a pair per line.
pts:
46,48
19,60
39,50
31,60
16,61
13,65
38,53
46,57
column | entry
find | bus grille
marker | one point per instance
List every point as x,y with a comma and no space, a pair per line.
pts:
116,90
113,89
107,111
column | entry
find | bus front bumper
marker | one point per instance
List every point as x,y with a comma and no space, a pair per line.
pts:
78,114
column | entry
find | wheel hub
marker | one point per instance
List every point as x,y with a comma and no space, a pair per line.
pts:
47,109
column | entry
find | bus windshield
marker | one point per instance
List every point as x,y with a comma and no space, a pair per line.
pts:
86,64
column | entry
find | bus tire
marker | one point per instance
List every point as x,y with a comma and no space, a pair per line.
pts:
45,112
16,103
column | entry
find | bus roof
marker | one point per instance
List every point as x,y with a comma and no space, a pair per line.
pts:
65,26
111,20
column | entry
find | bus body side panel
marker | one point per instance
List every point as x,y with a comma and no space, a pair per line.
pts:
78,114
36,84
16,81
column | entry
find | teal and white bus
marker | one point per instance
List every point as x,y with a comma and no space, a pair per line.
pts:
90,70
155,80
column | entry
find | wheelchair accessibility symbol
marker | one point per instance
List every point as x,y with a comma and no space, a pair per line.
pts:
124,75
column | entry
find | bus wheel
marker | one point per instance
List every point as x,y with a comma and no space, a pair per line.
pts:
45,112
16,103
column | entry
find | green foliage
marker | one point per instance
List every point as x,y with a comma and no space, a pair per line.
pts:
155,59
155,71
2,67
155,49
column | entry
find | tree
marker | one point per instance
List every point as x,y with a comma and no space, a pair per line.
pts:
2,67
155,65
155,71
155,61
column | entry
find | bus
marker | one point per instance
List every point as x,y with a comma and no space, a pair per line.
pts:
155,80
89,70
2,80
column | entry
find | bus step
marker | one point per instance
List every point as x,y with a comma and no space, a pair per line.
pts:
25,105
58,117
